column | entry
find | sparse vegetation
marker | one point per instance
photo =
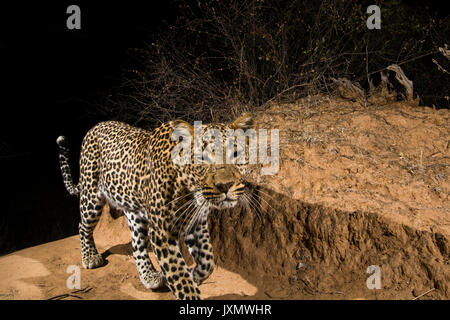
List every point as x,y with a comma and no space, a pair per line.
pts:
218,59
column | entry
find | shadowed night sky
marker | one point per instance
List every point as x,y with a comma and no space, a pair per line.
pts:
50,75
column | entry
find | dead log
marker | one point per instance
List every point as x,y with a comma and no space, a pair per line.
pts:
404,81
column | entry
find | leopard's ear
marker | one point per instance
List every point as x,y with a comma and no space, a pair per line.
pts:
245,121
181,124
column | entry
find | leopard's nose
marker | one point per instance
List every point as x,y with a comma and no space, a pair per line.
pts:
224,187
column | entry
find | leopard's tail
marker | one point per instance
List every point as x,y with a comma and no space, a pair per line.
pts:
65,168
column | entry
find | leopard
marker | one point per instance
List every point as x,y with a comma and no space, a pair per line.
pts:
165,202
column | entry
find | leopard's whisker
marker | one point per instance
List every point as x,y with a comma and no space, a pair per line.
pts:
261,198
185,213
183,206
246,202
266,193
196,216
253,204
188,212
181,197
200,211
191,221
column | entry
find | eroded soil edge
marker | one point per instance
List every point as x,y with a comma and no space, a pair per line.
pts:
305,251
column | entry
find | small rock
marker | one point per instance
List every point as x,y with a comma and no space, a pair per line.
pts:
301,265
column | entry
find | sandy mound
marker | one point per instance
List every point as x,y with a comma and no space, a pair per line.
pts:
357,187
392,160
41,272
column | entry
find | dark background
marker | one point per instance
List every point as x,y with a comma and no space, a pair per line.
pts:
50,77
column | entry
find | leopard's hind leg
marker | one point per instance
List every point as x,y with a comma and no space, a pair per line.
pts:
91,205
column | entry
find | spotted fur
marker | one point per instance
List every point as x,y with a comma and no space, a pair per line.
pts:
132,169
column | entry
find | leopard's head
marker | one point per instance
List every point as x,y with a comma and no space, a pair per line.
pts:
215,172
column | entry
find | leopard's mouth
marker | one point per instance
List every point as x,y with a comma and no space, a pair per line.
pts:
225,201
228,203
220,201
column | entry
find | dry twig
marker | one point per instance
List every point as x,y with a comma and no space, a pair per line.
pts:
423,294
71,294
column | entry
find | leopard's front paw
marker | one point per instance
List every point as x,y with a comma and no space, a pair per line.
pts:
153,280
92,262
